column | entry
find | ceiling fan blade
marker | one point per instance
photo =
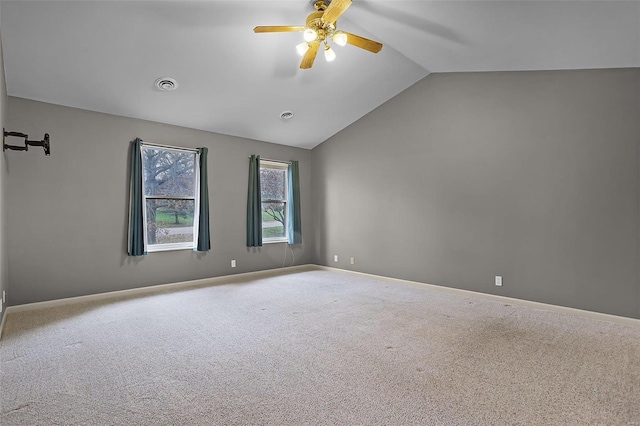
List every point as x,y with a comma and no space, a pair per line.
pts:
278,29
310,56
335,9
363,43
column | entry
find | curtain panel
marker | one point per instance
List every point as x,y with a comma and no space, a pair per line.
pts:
295,222
254,204
136,219
204,238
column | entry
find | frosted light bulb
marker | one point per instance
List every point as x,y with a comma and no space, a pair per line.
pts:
340,38
329,54
302,48
309,35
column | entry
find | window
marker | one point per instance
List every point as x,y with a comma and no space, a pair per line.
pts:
274,193
169,187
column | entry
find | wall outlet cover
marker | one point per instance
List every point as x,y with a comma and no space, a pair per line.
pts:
498,281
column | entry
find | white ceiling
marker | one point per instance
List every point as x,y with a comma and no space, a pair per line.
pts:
105,56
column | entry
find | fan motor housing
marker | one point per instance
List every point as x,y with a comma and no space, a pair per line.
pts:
323,28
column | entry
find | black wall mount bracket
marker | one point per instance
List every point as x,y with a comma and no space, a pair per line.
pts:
44,143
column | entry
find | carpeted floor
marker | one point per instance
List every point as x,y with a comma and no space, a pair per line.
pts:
315,348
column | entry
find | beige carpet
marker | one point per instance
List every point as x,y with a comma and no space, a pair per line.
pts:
315,348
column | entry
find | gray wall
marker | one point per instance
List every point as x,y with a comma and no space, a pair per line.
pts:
4,268
533,176
68,212
530,175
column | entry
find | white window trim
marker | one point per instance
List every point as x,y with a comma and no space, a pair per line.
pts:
274,240
281,165
151,248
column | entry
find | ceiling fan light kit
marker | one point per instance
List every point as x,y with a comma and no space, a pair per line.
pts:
329,54
340,38
320,28
302,48
310,35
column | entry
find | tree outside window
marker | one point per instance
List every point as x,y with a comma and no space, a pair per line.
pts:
274,192
169,186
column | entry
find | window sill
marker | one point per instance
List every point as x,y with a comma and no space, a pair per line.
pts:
286,241
168,247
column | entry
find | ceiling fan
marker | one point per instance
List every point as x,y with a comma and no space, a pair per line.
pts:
320,27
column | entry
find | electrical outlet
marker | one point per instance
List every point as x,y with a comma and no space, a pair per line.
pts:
498,280
353,260
233,263
335,257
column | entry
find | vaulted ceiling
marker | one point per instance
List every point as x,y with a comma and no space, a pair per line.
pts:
105,56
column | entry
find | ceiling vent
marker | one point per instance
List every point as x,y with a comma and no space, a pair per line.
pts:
166,84
287,115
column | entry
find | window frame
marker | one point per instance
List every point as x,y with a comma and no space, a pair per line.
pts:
151,248
276,165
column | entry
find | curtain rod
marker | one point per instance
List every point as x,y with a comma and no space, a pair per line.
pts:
170,146
274,161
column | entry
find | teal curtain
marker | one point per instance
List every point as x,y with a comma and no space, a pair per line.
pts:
295,223
136,219
254,205
204,240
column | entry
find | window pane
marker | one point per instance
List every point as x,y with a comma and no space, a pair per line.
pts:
273,184
170,221
168,172
274,220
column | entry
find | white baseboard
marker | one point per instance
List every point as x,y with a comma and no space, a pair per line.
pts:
4,318
158,288
538,305
309,267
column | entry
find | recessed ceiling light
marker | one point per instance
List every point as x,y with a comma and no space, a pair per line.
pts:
166,84
287,115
